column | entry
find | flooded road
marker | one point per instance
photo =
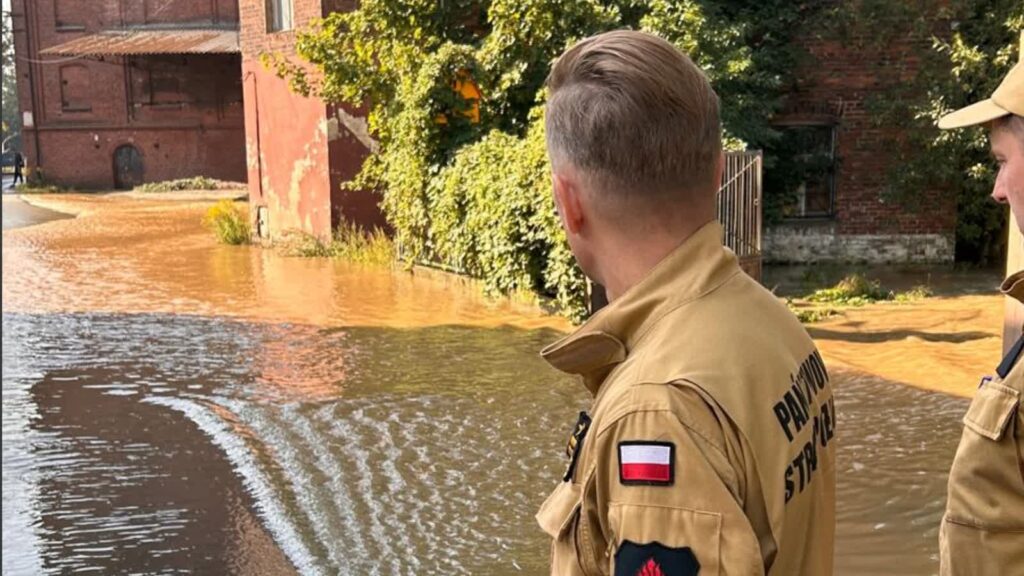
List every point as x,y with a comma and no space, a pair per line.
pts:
17,213
171,406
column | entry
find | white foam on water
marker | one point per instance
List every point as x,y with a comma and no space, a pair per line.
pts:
284,442
361,459
244,463
348,521
389,454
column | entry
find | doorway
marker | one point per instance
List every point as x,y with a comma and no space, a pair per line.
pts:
127,167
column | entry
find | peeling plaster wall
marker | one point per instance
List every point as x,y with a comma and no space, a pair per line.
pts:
299,150
286,143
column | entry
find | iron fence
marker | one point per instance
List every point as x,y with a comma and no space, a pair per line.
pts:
739,208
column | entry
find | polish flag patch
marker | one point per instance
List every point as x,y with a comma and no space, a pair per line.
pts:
647,463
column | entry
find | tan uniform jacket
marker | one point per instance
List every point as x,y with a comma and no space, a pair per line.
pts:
983,530
709,447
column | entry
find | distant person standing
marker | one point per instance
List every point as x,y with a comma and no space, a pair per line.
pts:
983,529
19,163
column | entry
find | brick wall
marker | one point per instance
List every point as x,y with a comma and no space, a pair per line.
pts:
845,76
84,108
836,84
299,152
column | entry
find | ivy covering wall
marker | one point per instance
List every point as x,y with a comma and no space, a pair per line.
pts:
475,194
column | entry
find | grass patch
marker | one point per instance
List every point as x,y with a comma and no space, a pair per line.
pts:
349,242
36,182
858,290
916,293
193,183
41,188
854,290
228,222
809,314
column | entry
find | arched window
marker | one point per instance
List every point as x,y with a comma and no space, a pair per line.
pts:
75,88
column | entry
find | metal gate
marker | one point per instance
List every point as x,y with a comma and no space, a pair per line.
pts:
739,208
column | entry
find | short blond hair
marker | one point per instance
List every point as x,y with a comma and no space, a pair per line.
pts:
635,114
1011,122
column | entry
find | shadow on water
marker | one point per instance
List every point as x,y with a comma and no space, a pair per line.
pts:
17,214
160,443
892,335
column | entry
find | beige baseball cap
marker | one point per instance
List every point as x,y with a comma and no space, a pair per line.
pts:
1007,99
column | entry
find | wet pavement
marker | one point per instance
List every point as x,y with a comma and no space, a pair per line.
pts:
174,406
17,213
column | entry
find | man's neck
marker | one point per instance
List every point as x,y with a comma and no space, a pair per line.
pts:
625,263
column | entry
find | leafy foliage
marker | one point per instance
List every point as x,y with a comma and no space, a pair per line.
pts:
229,223
193,183
350,243
10,126
476,195
858,290
853,290
972,45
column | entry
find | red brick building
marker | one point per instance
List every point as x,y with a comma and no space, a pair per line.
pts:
842,214
300,150
118,92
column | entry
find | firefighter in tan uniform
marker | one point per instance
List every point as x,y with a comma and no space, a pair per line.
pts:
982,532
709,447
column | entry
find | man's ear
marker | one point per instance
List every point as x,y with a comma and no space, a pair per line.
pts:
567,201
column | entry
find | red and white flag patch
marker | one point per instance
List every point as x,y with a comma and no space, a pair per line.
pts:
647,463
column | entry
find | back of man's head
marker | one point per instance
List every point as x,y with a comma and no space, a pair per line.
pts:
637,118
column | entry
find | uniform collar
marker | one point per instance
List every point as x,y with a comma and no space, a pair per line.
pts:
1014,286
700,264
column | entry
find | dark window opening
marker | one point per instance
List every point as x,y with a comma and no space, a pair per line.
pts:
164,88
67,16
802,176
75,89
279,15
161,82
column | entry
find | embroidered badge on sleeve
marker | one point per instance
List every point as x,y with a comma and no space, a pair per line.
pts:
647,463
575,444
653,559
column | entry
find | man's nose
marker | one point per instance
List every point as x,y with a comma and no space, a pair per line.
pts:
999,194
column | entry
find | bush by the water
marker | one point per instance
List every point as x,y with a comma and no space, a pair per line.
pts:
41,188
810,314
858,290
228,222
36,182
351,243
193,183
465,182
853,290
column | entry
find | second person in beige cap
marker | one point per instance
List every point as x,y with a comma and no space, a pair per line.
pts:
982,532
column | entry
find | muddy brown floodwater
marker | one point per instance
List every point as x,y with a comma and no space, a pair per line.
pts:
170,405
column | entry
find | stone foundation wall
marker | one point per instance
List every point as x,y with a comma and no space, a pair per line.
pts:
819,242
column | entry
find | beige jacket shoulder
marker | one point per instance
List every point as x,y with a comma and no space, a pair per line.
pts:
983,530
710,437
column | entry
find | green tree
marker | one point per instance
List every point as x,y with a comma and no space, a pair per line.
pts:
475,195
970,46
11,125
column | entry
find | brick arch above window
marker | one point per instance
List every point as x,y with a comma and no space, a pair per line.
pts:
75,88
